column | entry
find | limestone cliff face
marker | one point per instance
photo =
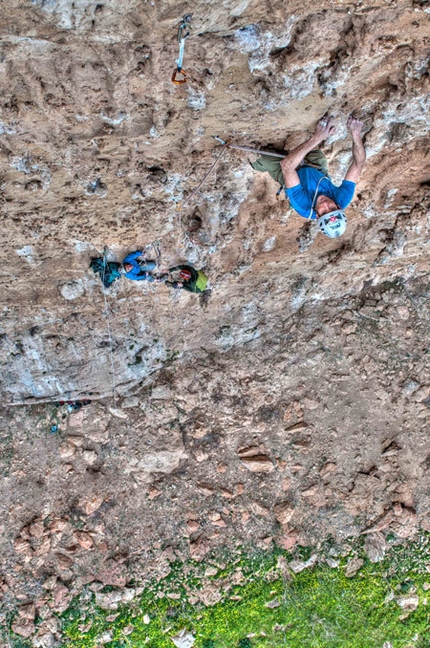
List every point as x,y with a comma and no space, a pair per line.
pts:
98,146
288,404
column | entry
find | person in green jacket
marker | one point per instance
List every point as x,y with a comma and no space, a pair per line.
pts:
188,278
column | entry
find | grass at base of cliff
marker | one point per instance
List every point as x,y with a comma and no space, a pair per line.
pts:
264,605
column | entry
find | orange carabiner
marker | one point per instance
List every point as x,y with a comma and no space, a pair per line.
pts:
179,81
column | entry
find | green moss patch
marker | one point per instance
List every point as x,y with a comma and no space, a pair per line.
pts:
257,601
264,604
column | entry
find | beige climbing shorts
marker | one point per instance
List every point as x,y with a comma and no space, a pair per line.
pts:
272,165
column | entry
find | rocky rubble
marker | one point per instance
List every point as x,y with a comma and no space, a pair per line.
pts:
237,453
89,121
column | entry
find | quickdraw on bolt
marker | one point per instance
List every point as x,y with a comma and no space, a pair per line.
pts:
184,31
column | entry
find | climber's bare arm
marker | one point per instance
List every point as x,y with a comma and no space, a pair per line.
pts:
295,157
355,127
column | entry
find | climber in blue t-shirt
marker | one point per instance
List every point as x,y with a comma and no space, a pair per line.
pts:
139,270
303,173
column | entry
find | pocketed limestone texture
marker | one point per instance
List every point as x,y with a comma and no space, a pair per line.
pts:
291,401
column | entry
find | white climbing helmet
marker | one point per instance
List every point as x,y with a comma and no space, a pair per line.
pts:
333,224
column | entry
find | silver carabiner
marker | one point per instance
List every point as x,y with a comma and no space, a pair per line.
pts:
184,31
185,26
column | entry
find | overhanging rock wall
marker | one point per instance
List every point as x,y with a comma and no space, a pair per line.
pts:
98,146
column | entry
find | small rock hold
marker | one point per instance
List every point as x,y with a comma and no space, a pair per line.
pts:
297,427
36,529
272,604
153,493
90,456
206,489
284,512
408,602
349,328
248,451
49,583
353,566
27,611
44,639
109,600
112,574
422,394
23,547
298,566
72,290
57,526
67,450
258,463
332,562
60,594
83,539
91,505
220,523
128,594
192,525
44,547
133,401
24,629
287,541
199,548
183,639
63,562
409,387
328,468
286,483
161,392
403,312
375,547
76,440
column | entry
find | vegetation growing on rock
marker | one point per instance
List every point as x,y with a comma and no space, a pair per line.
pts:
267,600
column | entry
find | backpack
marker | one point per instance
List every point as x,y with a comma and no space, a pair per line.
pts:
201,282
108,270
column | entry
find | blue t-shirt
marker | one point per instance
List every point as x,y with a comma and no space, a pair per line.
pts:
302,195
139,272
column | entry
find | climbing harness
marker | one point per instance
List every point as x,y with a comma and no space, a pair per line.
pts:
184,31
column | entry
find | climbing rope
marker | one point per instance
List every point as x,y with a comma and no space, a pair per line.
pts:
226,145
184,31
156,247
108,327
180,205
182,242
248,148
